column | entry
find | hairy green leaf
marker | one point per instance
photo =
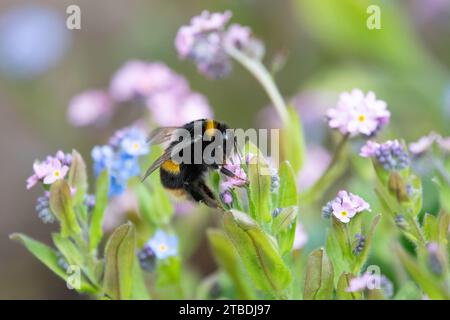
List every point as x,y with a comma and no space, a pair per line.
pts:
101,201
319,276
62,206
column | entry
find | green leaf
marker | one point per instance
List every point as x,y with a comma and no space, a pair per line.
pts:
49,258
259,189
284,219
430,227
101,201
287,194
139,291
319,276
62,207
154,205
293,144
168,273
258,252
421,275
119,259
362,257
68,249
342,286
78,178
228,259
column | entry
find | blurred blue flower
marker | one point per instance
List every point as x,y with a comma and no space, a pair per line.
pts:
163,245
121,158
32,39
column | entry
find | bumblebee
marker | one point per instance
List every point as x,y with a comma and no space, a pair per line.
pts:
194,149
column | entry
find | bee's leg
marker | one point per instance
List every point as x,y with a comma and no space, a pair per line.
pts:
200,192
230,174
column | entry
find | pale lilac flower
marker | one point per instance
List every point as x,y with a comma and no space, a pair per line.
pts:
301,237
423,144
137,79
371,281
226,197
50,169
238,36
163,245
89,107
359,283
345,206
356,113
56,171
391,155
175,109
317,161
444,143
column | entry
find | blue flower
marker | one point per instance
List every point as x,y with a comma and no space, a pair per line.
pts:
134,143
163,245
121,158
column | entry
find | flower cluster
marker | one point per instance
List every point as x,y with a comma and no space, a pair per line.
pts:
206,39
165,93
357,113
161,246
425,143
345,206
50,170
120,158
391,155
229,183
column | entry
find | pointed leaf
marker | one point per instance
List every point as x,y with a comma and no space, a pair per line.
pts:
62,206
119,259
259,189
293,144
101,201
258,252
319,276
228,259
288,186
78,178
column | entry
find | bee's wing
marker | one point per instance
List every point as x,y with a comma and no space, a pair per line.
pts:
158,162
161,135
168,154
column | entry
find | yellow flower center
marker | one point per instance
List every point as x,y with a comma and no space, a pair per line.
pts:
361,118
162,247
136,146
57,173
344,213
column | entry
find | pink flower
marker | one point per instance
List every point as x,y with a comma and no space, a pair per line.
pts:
173,109
356,113
40,171
89,107
237,36
359,283
369,149
426,142
141,79
55,171
345,206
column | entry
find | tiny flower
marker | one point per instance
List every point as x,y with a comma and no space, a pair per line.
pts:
62,261
163,245
120,158
89,107
301,237
147,258
371,281
238,36
56,171
391,155
434,259
226,197
327,210
356,113
276,212
359,244
134,143
43,209
423,144
345,206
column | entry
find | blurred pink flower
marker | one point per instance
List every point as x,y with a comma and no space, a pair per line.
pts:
357,113
317,160
369,149
426,142
174,109
141,79
89,107
238,36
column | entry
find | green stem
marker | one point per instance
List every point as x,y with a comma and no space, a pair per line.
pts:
260,72
325,180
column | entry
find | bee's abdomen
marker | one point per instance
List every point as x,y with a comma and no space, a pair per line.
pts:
170,174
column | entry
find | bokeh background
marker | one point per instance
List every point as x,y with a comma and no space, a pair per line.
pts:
327,46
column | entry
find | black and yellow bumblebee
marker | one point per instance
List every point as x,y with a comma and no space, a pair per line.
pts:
187,178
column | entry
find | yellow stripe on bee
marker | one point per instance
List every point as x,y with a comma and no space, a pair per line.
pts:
210,127
171,166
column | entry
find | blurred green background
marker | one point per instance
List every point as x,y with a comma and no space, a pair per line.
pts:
329,49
